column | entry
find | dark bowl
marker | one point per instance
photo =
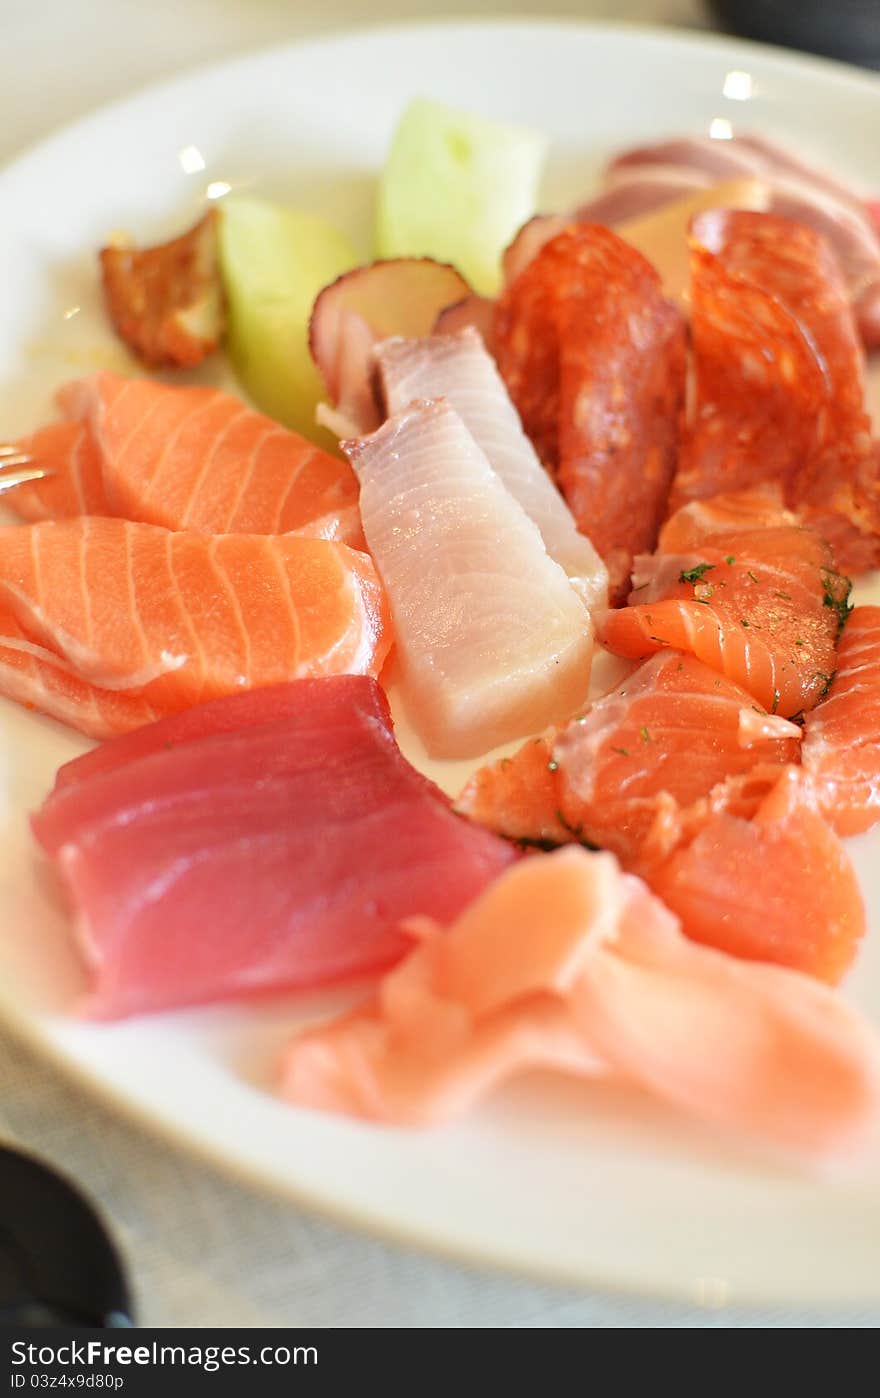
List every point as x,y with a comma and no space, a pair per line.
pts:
848,29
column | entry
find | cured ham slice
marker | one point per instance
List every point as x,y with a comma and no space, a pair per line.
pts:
276,855
492,640
762,605
778,379
460,369
397,296
567,963
184,458
594,359
642,180
841,751
108,625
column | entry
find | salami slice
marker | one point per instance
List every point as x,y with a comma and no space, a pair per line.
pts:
778,389
594,358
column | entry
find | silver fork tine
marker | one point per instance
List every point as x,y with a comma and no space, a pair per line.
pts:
9,479
10,456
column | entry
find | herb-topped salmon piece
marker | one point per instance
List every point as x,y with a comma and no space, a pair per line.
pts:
621,775
696,788
760,605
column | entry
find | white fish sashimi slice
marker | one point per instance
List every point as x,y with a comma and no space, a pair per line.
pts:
493,641
459,368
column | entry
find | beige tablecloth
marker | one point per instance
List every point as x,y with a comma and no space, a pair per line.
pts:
201,1249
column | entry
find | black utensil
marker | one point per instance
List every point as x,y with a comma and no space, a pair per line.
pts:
845,29
57,1263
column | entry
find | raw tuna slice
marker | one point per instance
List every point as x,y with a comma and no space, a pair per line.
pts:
779,379
594,358
249,708
460,369
493,641
112,767
622,775
567,963
108,625
761,605
275,856
841,751
184,458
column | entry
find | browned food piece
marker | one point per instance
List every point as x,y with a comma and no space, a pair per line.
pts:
166,302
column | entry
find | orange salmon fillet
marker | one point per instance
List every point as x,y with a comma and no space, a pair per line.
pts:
107,625
620,776
762,606
695,788
841,750
184,458
778,887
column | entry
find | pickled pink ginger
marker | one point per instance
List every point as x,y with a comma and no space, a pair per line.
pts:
567,963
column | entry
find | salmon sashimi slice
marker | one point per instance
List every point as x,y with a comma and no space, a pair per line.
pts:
460,369
564,962
778,887
779,378
621,775
492,640
841,750
594,358
184,458
106,624
712,518
74,483
762,606
278,855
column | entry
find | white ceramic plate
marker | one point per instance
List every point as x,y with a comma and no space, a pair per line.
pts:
555,1177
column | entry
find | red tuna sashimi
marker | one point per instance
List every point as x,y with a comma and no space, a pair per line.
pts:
184,458
107,625
762,605
778,378
778,887
594,359
278,856
841,750
107,774
566,963
622,775
249,708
